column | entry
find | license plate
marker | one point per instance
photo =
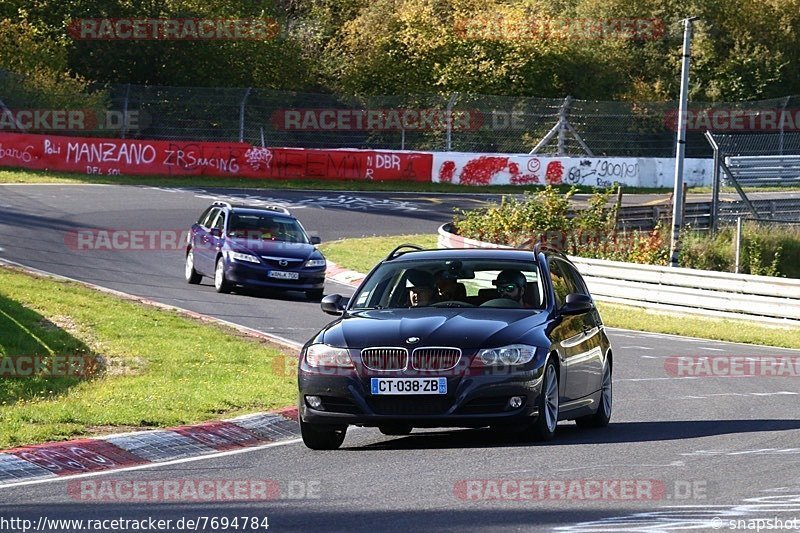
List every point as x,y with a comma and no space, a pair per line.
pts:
280,274
408,385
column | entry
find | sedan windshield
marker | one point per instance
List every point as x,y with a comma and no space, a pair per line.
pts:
265,226
452,283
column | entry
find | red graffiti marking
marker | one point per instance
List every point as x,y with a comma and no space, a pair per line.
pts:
555,171
447,171
480,171
521,179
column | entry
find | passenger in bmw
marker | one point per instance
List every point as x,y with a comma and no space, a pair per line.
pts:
422,288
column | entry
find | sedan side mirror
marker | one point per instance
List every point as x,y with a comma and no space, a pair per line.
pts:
577,304
334,304
315,240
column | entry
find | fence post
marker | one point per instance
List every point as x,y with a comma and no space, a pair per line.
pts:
241,114
563,120
125,120
783,120
738,241
449,115
715,177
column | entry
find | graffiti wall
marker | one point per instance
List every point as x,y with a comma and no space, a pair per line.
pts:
185,158
239,160
505,169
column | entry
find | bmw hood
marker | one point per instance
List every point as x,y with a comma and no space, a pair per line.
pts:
467,329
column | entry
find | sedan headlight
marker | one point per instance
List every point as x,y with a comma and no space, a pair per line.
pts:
238,256
514,354
315,263
322,355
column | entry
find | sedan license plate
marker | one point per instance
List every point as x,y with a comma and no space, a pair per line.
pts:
408,385
280,274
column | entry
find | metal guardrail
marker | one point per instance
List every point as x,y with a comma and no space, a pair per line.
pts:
681,290
685,290
765,170
697,215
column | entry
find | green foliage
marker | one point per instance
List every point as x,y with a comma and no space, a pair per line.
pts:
742,49
591,232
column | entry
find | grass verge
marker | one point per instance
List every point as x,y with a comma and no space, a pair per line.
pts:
30,176
362,254
160,369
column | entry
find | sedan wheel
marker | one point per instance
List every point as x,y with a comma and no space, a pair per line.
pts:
395,429
601,418
192,276
220,283
545,426
319,437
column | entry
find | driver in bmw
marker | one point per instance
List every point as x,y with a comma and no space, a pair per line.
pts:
511,284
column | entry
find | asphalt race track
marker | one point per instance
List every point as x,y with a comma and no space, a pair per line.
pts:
698,451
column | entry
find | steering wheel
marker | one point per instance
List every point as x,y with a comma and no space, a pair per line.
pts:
451,303
501,302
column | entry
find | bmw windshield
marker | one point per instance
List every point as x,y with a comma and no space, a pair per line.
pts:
451,283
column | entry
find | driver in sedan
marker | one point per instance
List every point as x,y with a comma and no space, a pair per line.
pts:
511,284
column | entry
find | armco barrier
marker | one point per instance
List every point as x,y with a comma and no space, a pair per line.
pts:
87,155
720,294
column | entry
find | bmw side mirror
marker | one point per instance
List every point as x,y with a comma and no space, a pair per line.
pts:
216,232
334,304
315,240
577,304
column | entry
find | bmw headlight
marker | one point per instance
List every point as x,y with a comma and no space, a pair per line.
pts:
315,263
514,354
322,355
238,256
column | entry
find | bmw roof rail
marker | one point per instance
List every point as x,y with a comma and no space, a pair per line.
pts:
542,246
396,252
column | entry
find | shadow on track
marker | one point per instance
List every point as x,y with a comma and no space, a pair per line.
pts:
569,434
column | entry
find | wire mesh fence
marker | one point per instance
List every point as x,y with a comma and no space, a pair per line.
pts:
456,121
757,179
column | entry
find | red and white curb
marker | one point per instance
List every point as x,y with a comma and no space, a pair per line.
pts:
89,455
351,278
84,456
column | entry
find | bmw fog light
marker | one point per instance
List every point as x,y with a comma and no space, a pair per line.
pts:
515,402
315,402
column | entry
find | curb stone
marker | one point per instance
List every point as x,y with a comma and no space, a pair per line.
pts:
86,455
